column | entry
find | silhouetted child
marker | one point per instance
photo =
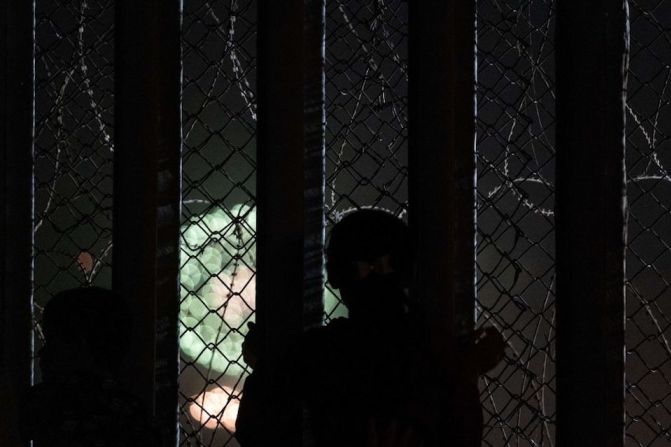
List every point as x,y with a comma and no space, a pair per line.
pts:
80,401
370,380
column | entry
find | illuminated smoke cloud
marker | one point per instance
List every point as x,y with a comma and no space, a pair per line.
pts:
218,293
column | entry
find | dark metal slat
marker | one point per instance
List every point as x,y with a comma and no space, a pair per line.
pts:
290,181
590,216
442,164
147,191
16,206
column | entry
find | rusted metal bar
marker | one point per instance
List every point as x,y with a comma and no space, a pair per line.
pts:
16,208
290,185
591,41
442,165
147,192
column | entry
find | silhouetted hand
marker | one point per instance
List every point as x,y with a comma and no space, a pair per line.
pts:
392,434
488,349
251,346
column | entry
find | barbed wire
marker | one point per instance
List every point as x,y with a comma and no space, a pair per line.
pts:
515,214
218,262
367,77
648,288
73,148
366,113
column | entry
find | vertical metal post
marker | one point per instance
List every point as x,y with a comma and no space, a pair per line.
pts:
290,180
591,56
442,165
147,194
314,122
16,209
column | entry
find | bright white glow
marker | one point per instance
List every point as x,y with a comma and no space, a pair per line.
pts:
215,408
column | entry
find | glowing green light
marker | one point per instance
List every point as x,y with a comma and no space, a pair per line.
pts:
190,275
333,307
194,235
218,287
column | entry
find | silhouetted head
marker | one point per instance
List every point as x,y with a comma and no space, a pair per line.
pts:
85,330
369,259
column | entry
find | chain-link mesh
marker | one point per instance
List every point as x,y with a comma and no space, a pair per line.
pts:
366,111
366,77
648,370
73,146
218,256
515,212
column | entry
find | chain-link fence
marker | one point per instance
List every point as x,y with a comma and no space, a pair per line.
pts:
515,212
648,367
366,138
366,111
366,75
73,146
218,256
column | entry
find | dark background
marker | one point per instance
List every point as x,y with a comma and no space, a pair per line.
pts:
366,145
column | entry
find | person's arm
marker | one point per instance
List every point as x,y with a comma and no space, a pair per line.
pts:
248,425
261,404
484,353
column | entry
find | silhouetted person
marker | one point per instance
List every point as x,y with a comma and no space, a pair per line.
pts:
370,380
80,401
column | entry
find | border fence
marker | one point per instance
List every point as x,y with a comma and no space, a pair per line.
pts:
349,74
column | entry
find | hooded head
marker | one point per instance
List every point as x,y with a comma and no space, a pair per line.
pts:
369,259
85,329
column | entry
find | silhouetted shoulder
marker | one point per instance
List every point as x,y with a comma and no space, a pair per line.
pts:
84,411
